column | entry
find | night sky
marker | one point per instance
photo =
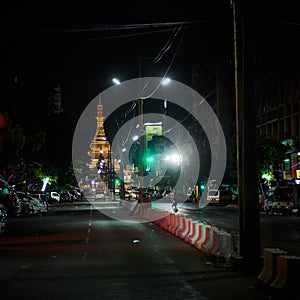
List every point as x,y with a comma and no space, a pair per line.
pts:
78,46
82,45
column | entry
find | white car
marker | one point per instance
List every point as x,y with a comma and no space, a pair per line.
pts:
54,196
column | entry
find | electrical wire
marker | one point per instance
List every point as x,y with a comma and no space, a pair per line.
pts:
167,46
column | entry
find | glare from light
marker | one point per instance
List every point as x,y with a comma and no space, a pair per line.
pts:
165,81
135,138
124,150
116,81
175,158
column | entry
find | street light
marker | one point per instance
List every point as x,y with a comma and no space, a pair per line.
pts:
165,81
116,81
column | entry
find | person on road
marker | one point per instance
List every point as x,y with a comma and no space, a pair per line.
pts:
174,205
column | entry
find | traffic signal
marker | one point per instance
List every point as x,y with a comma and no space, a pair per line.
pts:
149,158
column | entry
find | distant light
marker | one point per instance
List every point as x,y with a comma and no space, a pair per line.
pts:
175,158
124,149
116,81
135,138
165,81
165,104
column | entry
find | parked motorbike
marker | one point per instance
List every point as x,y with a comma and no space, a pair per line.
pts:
3,218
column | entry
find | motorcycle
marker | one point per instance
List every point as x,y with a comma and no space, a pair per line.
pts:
3,218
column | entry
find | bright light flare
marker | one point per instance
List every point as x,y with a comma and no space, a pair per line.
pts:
165,81
116,81
174,158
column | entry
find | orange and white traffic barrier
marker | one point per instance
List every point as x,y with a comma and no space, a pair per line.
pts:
172,222
197,233
200,236
212,242
268,273
206,229
186,229
164,222
287,274
177,223
191,232
181,225
226,246
157,216
215,243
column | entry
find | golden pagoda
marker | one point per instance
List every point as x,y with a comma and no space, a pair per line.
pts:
100,144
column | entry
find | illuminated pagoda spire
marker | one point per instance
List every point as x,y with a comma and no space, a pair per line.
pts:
100,143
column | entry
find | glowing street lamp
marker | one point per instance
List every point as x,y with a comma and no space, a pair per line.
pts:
116,81
166,81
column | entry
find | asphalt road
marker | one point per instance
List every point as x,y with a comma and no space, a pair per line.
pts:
78,252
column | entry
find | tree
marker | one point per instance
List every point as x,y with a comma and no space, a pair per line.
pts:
12,145
20,155
271,153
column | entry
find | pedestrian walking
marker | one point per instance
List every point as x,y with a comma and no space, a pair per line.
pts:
174,205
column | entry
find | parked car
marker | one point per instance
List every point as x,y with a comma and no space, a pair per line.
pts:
75,194
66,196
35,205
54,197
221,197
280,201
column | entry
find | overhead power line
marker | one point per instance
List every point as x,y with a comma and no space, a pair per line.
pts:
107,27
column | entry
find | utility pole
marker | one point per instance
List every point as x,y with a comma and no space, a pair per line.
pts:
244,52
141,125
